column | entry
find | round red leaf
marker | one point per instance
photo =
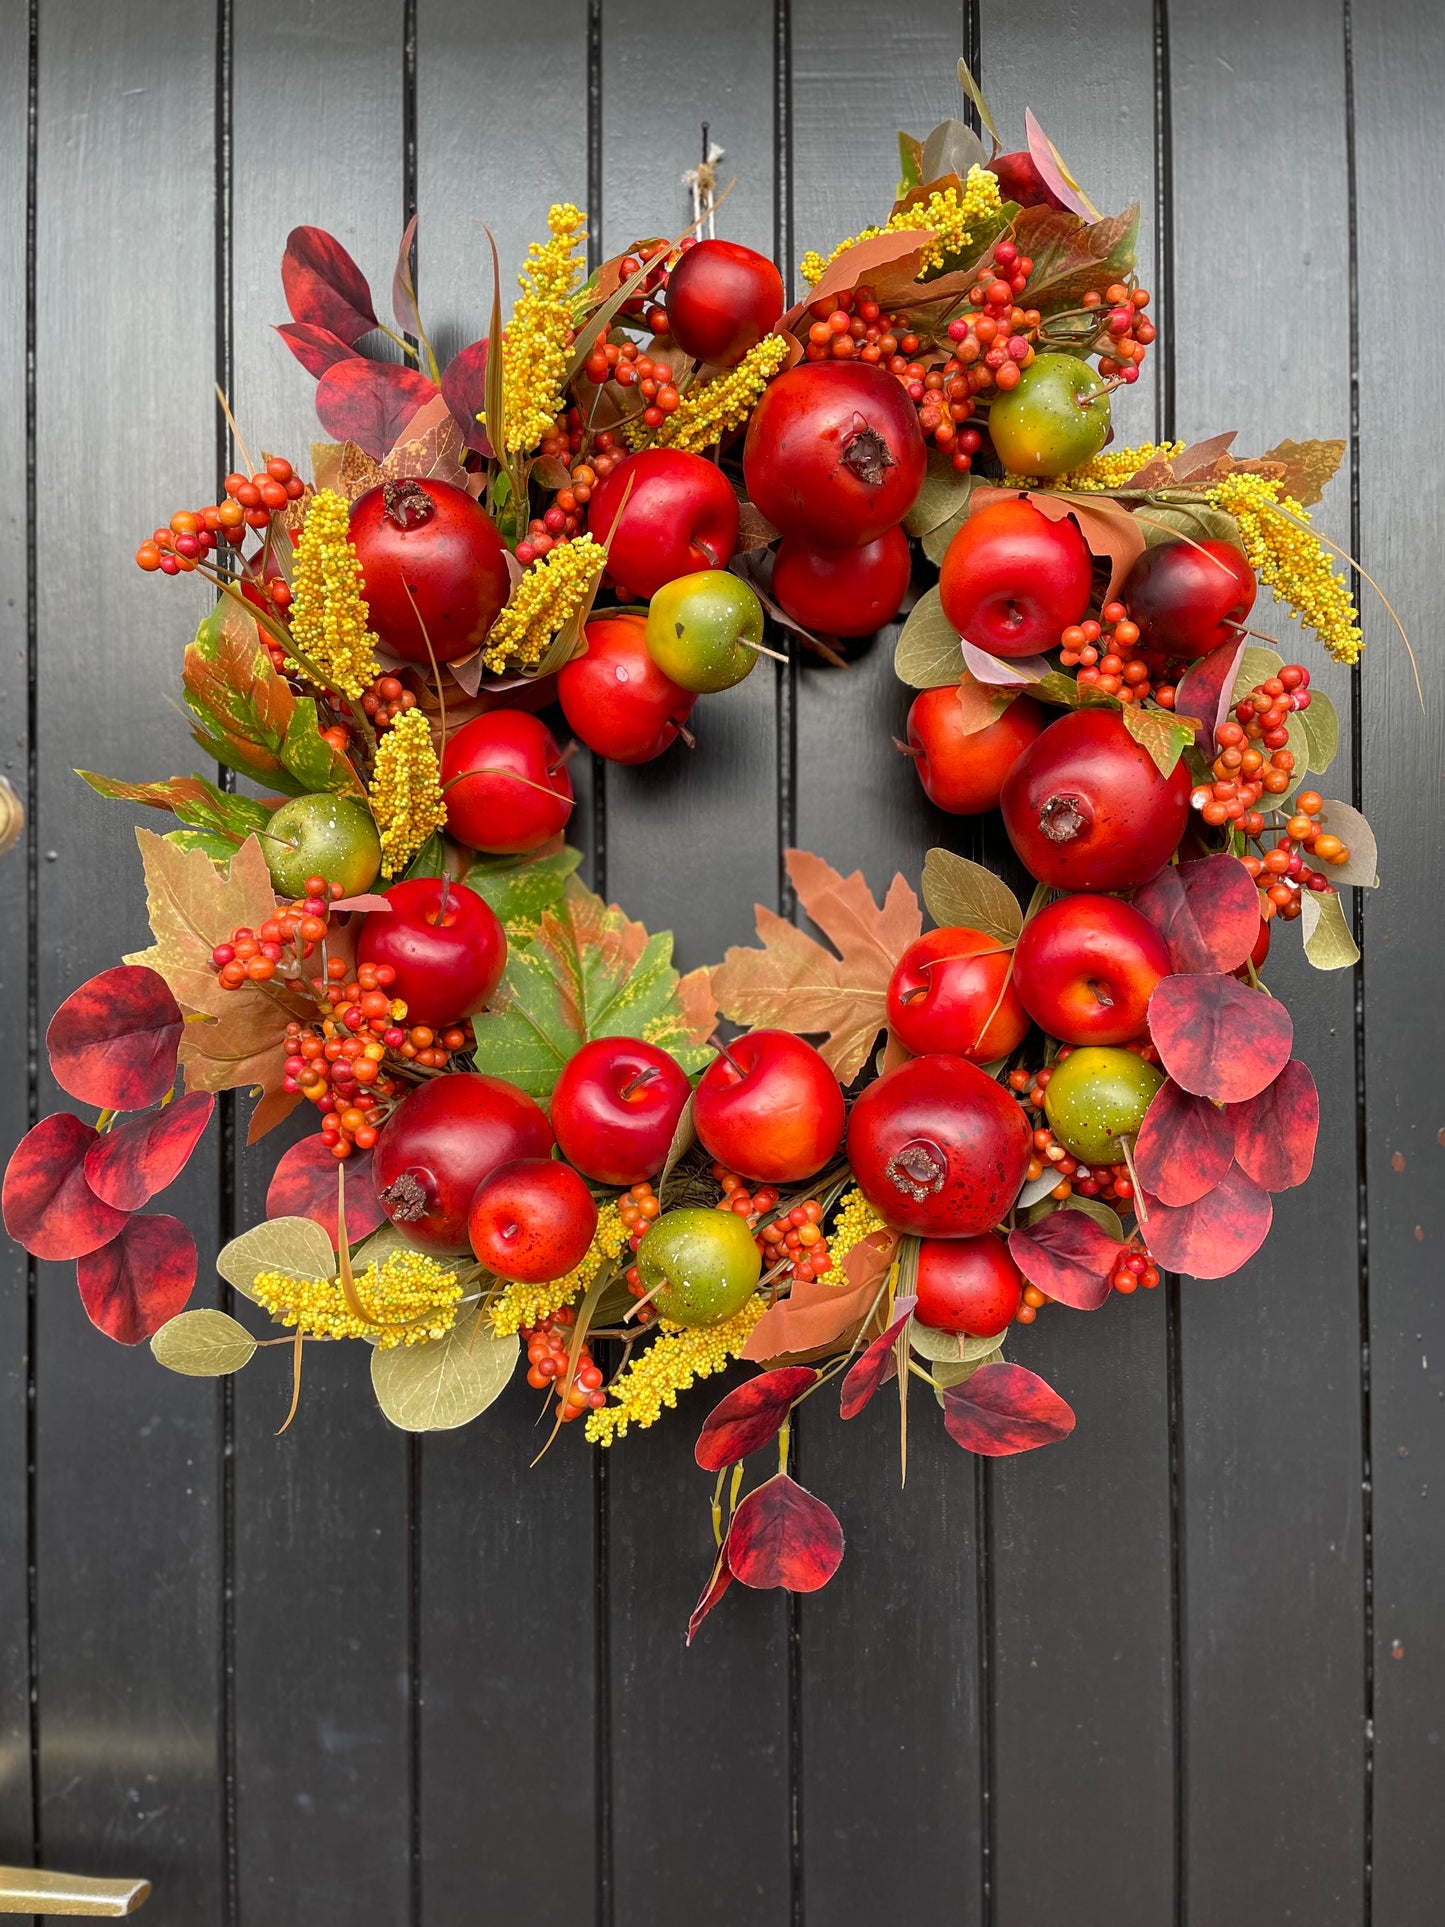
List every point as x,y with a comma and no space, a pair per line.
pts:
877,1364
783,1536
748,1416
1217,1037
1185,1145
1206,911
1068,1256
1275,1132
370,402
1205,690
1003,1409
49,1208
129,1163
304,1186
113,1042
132,1285
1213,1236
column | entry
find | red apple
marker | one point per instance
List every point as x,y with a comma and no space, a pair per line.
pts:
506,784
1085,969
1189,597
433,567
722,298
616,699
843,592
445,944
615,1108
531,1221
938,1148
770,1108
967,1285
1020,180
681,516
962,770
441,1141
1013,579
951,992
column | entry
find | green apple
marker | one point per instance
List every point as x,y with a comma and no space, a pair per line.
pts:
702,630
322,836
706,1262
1097,1096
1056,419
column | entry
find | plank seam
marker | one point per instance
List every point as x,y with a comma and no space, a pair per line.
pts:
32,910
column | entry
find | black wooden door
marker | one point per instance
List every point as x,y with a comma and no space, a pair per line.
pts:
1188,1669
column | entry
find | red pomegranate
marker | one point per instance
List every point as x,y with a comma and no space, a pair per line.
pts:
433,566
834,455
938,1148
441,1141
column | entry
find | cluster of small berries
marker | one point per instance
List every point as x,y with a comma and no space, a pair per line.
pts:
1126,333
1138,1268
625,363
1282,872
1109,659
548,1347
337,1063
256,956
642,304
567,514
250,503
793,1243
1110,1183
638,1208
386,699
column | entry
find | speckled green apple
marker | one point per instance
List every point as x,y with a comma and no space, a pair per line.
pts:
702,630
1056,419
706,1263
322,836
1096,1097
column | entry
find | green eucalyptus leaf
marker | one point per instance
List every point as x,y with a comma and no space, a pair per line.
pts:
448,1381
1329,942
956,892
1321,725
943,496
296,1247
949,1348
945,1374
1173,522
928,654
203,1344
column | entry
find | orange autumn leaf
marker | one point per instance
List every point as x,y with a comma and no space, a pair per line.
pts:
815,1318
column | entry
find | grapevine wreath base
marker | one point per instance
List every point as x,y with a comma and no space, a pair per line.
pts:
536,1151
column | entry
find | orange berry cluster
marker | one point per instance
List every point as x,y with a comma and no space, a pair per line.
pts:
568,512
337,1063
1109,1182
548,1346
1109,659
793,1244
638,1208
193,533
1282,872
256,956
1126,333
641,305
1252,755
625,363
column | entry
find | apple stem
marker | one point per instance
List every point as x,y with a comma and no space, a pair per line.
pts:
686,734
1258,634
719,1045
775,654
445,896
632,1313
906,749
644,1076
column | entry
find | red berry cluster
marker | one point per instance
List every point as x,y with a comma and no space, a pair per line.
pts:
386,699
793,1244
1135,1270
638,1208
641,305
625,363
1253,758
337,1063
1126,333
1109,1182
194,533
256,956
1110,660
567,514
1282,872
993,337
548,1346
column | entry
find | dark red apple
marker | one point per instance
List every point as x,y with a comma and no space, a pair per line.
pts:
938,1148
681,516
1020,180
962,770
1189,597
722,298
615,1108
445,944
441,1141
1013,579
770,1108
1085,969
951,992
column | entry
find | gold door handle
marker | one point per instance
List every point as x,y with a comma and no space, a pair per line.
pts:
26,1890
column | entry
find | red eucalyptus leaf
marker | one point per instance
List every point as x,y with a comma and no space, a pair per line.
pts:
464,388
1207,912
370,402
403,287
1068,1256
876,1365
1003,1409
1206,688
1042,151
317,349
1213,1236
749,1416
49,1208
113,1042
1185,1146
783,1536
718,1583
304,1186
324,285
1275,1133
1218,1037
128,1164
132,1285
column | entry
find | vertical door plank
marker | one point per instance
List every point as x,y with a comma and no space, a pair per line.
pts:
700,1755
891,1648
128,1458
508,1599
1270,1383
1083,1669
321,1518
1399,69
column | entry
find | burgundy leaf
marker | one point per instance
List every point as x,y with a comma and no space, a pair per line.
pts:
464,385
1005,1408
370,402
1068,1256
1185,1145
1205,690
871,1371
304,1186
1219,1038
1213,1236
749,1416
317,349
129,1163
783,1536
1053,175
48,1206
113,1042
1207,912
1274,1133
324,285
403,290
718,1582
132,1285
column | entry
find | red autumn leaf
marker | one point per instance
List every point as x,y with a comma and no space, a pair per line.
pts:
317,349
783,1536
1213,1236
1218,1037
1068,1256
113,1042
464,388
1185,1145
1003,1409
304,1186
370,402
876,1365
749,1416
1275,1133
1205,690
1046,160
324,285
403,286
132,1285
718,1582
128,1164
48,1206
1207,912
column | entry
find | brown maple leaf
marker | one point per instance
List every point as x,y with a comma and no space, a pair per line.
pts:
794,983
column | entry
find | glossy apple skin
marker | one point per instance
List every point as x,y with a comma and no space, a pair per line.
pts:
1188,598
963,771
1056,419
514,793
441,1141
448,953
531,1221
616,699
1020,180
615,1108
1013,580
951,992
968,1285
834,455
1086,808
1085,968
938,1148
722,298
778,1116
681,516
843,592
432,539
